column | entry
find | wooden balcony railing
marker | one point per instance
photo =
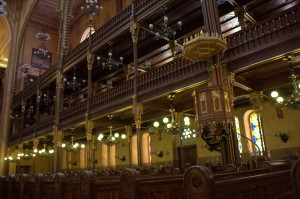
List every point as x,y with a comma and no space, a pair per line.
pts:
178,70
168,74
45,124
31,89
264,34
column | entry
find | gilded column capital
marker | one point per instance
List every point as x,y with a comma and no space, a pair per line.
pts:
134,30
60,137
89,125
256,99
138,111
128,130
89,136
90,60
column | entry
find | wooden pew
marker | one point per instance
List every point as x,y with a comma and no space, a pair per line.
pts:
44,186
14,187
93,186
27,188
66,187
135,186
199,182
296,178
4,187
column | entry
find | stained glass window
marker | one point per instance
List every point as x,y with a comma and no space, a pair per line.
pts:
237,129
256,132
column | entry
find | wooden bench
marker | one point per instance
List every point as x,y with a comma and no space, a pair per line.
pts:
66,187
28,187
4,184
296,178
199,182
93,186
135,186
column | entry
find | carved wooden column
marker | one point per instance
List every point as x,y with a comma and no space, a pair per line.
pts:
138,111
240,12
214,101
89,149
179,121
137,108
214,114
256,99
64,12
128,130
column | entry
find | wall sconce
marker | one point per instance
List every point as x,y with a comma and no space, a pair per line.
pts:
73,163
160,154
93,162
122,158
283,136
279,110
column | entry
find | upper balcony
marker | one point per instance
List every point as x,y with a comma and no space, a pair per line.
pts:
247,49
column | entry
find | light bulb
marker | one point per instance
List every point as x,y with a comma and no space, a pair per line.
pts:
166,120
274,94
116,135
279,99
123,136
156,124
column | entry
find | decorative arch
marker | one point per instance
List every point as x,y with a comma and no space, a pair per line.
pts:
86,34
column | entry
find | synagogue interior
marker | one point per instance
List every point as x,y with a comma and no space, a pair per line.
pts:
148,85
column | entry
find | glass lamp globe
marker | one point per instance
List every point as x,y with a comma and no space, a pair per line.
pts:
156,124
274,94
279,99
165,120
100,136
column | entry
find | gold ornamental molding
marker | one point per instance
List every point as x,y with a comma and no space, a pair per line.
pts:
203,45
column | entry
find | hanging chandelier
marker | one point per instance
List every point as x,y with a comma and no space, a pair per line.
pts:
166,31
43,37
74,83
293,102
47,98
3,11
20,155
29,110
72,146
173,126
46,151
109,62
110,139
25,68
92,7
42,54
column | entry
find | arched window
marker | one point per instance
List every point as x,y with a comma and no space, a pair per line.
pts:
134,155
146,158
237,129
256,132
86,34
